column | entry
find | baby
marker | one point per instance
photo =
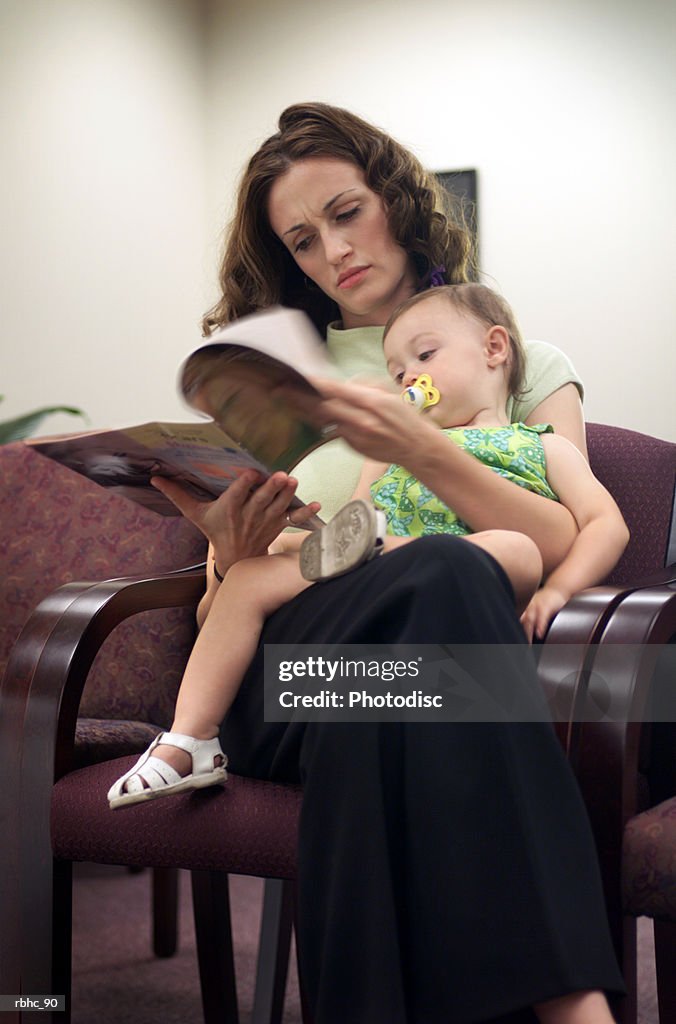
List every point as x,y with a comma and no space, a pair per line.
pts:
456,353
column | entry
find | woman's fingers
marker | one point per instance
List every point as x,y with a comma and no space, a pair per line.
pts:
274,495
246,518
186,503
350,391
299,516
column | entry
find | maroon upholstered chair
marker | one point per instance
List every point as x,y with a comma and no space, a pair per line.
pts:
213,833
57,527
638,470
609,643
641,473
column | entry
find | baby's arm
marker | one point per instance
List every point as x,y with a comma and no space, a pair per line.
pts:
602,538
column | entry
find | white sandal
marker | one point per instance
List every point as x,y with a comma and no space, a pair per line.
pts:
151,777
352,537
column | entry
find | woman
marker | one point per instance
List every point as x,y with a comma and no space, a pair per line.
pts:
446,872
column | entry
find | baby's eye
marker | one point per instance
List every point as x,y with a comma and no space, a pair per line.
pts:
399,378
424,356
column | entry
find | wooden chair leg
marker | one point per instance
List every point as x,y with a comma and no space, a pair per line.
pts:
63,935
624,933
165,911
46,942
665,966
273,951
213,933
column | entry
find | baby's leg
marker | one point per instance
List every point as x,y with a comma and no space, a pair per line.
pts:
252,590
518,555
577,1008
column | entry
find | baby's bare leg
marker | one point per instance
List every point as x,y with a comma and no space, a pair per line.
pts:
577,1008
517,554
252,590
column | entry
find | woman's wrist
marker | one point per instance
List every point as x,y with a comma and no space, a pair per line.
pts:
220,564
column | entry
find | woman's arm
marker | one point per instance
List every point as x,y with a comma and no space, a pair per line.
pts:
602,538
563,409
388,431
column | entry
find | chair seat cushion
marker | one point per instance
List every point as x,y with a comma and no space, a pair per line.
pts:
101,739
246,827
649,863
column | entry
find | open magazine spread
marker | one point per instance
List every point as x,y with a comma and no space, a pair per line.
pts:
250,380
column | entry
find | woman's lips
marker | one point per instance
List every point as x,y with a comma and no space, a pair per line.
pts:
353,277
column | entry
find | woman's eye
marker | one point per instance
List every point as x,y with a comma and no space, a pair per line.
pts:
347,214
303,245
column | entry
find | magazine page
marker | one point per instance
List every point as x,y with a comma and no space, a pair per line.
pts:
251,380
199,456
287,335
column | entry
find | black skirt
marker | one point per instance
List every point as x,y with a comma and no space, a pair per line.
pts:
447,871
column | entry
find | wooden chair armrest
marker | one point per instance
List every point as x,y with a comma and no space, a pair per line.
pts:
48,666
620,674
617,696
565,657
39,697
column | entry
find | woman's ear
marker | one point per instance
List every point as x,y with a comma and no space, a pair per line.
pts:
497,346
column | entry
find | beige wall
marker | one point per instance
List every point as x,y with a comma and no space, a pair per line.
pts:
128,122
565,109
104,203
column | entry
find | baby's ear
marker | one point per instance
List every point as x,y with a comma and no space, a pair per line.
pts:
497,346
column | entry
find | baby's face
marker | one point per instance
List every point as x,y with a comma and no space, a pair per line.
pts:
448,345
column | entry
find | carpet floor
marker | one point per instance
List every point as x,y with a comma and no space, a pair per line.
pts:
117,980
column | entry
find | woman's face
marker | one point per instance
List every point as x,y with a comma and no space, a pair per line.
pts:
337,231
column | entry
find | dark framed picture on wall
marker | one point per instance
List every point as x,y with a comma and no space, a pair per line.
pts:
462,187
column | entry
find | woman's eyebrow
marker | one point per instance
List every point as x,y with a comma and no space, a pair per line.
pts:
325,207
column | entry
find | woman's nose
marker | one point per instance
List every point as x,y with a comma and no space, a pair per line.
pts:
336,247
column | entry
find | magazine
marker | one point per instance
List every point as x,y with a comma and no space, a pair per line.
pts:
250,380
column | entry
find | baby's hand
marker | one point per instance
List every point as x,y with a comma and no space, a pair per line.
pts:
540,611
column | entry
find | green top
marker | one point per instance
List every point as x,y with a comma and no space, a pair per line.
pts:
331,473
514,451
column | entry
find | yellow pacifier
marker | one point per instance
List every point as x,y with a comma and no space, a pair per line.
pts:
421,394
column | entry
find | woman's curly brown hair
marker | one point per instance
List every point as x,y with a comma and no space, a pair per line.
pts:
257,270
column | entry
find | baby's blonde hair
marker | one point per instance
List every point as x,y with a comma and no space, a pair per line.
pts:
488,308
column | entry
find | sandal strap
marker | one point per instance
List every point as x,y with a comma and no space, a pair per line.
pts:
202,752
187,743
155,773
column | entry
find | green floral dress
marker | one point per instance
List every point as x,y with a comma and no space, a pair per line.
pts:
515,452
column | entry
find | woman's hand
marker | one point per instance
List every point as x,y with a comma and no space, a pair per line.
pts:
374,422
244,520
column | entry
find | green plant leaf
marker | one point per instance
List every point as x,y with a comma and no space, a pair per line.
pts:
23,426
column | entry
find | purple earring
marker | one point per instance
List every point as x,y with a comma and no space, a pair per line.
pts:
436,277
